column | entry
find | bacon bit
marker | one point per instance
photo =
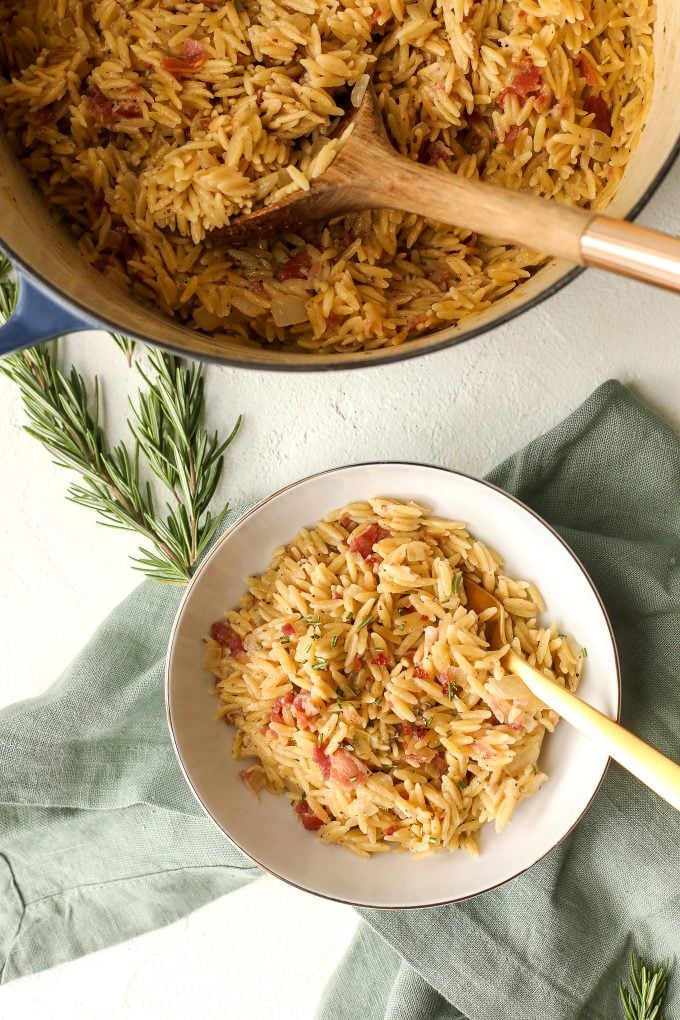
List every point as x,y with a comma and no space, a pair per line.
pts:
228,638
433,153
443,275
416,759
345,522
258,287
381,660
307,816
511,134
304,709
420,673
189,61
288,629
390,830
296,268
46,116
482,748
281,712
346,769
527,80
322,760
100,107
98,202
333,320
244,774
423,617
127,109
439,764
603,116
586,66
125,243
357,664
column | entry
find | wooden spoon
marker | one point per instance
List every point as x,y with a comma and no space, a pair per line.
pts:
650,766
367,173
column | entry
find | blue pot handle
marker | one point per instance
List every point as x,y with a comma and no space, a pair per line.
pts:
37,316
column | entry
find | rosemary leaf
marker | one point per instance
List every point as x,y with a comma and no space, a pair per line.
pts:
643,996
63,414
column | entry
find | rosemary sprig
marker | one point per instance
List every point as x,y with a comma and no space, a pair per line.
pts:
168,441
643,996
126,345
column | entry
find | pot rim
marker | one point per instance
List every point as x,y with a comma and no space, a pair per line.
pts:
340,362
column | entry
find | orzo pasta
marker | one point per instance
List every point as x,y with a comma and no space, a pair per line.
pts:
148,123
365,691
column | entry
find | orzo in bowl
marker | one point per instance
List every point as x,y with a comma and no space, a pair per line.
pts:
457,697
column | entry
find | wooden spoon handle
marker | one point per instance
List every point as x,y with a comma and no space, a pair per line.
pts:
574,234
650,766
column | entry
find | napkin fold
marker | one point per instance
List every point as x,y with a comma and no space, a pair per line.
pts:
100,838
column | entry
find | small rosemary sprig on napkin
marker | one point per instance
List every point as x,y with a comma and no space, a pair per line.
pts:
168,440
645,992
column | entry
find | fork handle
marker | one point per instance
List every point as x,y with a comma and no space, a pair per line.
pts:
650,766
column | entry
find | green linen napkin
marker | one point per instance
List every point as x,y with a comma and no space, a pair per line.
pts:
100,838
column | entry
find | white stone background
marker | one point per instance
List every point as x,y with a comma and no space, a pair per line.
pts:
467,407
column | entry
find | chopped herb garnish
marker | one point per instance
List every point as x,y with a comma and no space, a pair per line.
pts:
584,653
365,623
312,621
456,584
450,691
348,617
319,663
401,627
462,784
428,720
319,739
338,701
353,779
285,640
334,640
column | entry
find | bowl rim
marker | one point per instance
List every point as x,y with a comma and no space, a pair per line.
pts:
241,521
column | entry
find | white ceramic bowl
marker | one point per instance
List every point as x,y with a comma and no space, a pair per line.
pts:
268,831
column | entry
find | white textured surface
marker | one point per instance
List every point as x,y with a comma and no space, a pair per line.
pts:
467,407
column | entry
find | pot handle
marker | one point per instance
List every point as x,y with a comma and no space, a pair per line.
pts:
37,316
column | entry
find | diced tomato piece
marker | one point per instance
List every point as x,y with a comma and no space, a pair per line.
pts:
420,672
364,542
511,134
381,660
406,730
296,268
526,80
391,829
258,287
228,638
603,116
438,763
307,816
345,522
288,630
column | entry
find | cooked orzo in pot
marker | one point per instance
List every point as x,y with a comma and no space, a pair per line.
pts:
149,123
362,687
